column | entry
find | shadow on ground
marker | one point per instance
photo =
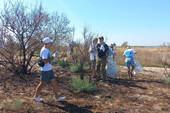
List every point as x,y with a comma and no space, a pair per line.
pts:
68,107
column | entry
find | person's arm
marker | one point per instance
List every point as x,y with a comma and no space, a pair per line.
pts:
45,57
134,51
108,50
124,54
95,47
91,50
48,60
114,54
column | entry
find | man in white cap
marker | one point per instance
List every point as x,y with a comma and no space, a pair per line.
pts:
129,54
47,73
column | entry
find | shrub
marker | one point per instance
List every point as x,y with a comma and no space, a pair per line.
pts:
54,61
62,63
6,105
167,80
85,67
17,103
76,68
83,85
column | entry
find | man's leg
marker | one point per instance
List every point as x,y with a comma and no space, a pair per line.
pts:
128,64
93,67
93,71
54,85
104,69
133,67
39,88
98,68
129,72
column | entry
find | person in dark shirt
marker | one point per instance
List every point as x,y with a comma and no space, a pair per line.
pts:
103,53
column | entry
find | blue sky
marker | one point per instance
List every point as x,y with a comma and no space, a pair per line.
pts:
140,22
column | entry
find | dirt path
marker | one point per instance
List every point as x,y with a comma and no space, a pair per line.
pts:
146,93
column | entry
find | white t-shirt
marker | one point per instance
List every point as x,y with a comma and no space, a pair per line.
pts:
93,55
45,54
127,53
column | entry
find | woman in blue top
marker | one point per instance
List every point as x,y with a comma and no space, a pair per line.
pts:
129,54
112,51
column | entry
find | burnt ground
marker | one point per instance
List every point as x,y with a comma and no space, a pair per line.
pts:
145,93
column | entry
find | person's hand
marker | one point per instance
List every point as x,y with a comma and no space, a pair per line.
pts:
55,55
92,51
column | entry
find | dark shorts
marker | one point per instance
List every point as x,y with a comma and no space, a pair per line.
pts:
93,63
46,76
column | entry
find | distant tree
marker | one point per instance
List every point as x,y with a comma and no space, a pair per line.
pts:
124,44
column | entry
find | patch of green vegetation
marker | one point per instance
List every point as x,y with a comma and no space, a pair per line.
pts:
54,61
159,97
36,54
164,108
122,64
167,80
63,63
160,65
76,68
144,65
85,85
6,105
112,98
17,103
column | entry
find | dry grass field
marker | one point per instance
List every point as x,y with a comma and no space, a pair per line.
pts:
147,56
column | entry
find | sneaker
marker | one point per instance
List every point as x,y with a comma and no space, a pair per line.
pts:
131,74
104,80
60,99
38,99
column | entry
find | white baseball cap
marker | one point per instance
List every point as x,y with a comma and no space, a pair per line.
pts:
47,40
128,47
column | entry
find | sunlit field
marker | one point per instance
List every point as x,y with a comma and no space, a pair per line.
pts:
147,56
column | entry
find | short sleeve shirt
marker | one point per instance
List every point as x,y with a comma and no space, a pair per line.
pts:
102,52
129,53
45,54
93,55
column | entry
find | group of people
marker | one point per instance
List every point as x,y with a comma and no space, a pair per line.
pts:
99,53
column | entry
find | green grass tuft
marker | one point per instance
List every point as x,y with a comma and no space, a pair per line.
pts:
17,103
6,105
83,85
167,80
76,68
62,63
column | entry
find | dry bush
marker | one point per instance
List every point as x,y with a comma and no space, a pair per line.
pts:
22,32
81,50
163,59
